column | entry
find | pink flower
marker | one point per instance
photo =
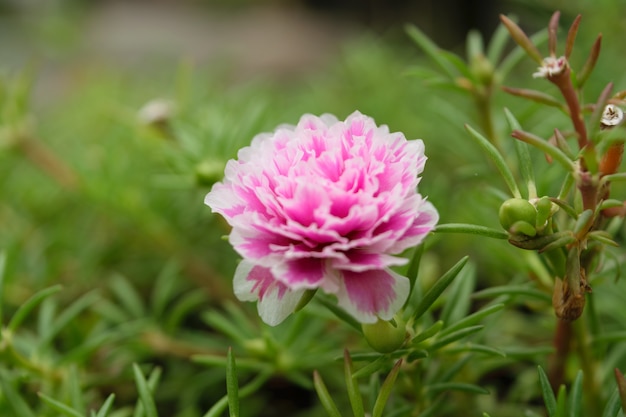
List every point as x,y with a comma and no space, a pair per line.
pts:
325,204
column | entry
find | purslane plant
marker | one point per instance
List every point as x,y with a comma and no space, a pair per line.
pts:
325,204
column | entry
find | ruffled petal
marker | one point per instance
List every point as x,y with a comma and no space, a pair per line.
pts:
275,300
374,294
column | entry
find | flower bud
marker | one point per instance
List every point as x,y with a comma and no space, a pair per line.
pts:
209,172
517,214
385,336
482,69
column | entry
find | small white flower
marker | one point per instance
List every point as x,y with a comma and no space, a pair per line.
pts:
551,66
611,116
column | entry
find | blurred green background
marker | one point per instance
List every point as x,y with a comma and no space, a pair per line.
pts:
128,111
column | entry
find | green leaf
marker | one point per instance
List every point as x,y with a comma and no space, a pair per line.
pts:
497,43
354,394
371,367
613,405
232,386
428,333
224,325
522,39
305,299
593,123
457,302
474,45
620,176
546,390
164,288
253,386
621,387
517,54
516,352
561,401
219,360
145,392
435,291
340,313
536,96
457,62
128,296
3,265
435,409
416,354
453,337
472,319
59,406
456,386
497,159
477,348
67,315
513,290
325,398
180,309
602,237
106,406
449,373
73,380
576,396
414,267
385,390
29,305
583,221
471,229
547,148
523,155
16,402
431,49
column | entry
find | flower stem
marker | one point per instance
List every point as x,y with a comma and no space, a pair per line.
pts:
588,365
45,159
483,105
562,343
564,83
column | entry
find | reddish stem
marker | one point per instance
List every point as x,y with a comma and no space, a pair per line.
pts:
562,339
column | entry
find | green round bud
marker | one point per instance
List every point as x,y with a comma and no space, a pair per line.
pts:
385,336
209,172
517,210
482,69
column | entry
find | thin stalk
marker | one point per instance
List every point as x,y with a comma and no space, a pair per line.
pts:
588,365
483,105
45,159
562,343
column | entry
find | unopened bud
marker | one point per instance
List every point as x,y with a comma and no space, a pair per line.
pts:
482,69
385,336
518,216
209,172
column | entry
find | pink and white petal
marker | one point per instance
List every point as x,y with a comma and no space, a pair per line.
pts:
245,285
374,294
276,301
277,305
302,273
424,224
359,261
